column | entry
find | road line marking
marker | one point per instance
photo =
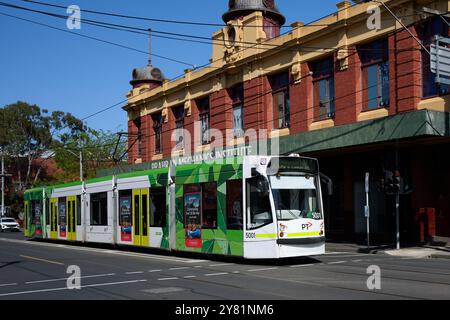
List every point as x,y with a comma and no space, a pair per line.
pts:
43,260
8,284
357,260
236,272
303,265
215,274
66,288
179,268
197,266
220,264
337,262
103,251
156,270
62,279
262,269
135,272
189,277
165,279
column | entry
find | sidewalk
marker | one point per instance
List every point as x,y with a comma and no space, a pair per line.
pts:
426,251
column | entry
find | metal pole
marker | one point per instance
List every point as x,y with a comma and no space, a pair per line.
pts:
3,185
397,218
367,208
81,165
368,221
397,201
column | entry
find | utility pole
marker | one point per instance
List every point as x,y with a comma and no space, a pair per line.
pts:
3,175
397,200
3,185
81,165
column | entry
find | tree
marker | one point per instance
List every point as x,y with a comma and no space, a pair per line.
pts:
97,148
27,134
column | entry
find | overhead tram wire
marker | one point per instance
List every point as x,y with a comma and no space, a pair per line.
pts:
98,39
164,34
308,118
195,23
123,101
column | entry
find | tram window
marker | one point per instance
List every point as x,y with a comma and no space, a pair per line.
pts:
125,209
78,210
99,209
136,216
208,194
47,213
62,211
158,207
234,205
144,215
209,197
258,203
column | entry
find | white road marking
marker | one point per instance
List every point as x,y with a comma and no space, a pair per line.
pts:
66,288
347,254
236,272
262,269
303,265
134,272
165,279
8,284
337,262
357,260
42,260
189,277
64,279
179,268
104,251
156,270
197,266
215,274
220,264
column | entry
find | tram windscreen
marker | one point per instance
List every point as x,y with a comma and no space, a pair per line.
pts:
295,197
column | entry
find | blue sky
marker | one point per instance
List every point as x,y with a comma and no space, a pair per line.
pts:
60,71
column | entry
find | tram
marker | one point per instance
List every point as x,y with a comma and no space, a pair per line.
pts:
255,207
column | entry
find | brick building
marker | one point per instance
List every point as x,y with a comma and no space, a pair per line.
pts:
359,98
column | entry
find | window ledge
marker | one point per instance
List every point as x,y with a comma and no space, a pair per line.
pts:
236,141
157,157
373,114
441,104
275,133
202,148
322,124
178,153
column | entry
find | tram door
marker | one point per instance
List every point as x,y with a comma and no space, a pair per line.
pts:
140,217
54,218
25,218
71,218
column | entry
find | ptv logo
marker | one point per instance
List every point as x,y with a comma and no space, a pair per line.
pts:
306,226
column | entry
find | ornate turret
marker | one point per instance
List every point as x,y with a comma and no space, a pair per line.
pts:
241,8
148,74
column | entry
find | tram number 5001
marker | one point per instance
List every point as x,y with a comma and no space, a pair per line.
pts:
250,235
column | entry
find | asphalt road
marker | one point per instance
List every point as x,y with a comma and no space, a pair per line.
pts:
38,270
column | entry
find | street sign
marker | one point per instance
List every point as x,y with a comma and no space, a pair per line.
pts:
367,182
366,211
440,60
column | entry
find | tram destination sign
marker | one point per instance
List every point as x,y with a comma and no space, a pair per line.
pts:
292,164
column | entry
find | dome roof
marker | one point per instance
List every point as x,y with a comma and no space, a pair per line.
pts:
242,7
147,74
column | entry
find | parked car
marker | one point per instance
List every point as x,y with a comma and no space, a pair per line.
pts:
9,224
